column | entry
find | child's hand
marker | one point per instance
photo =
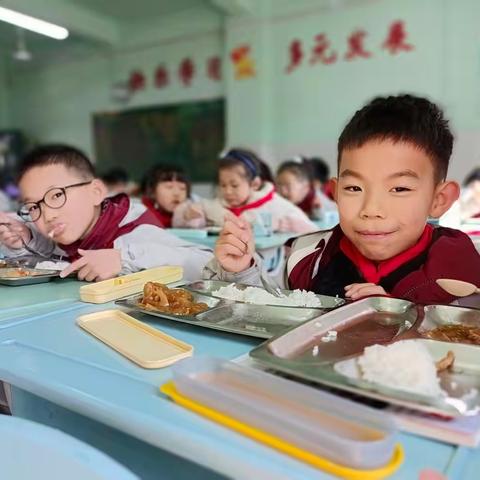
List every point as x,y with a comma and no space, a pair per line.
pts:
193,212
12,232
95,265
235,245
360,290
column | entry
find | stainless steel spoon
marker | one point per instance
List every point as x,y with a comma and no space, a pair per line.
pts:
268,283
457,288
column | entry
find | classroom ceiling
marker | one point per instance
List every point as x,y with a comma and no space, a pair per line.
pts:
128,10
93,25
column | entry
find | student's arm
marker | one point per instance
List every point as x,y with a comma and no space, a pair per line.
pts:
148,246
452,255
11,243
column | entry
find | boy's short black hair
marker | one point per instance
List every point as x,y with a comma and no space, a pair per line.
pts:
164,173
402,118
57,154
247,160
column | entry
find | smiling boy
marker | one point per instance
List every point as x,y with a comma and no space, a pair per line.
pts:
66,212
393,159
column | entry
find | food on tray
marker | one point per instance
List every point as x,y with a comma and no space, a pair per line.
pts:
456,334
48,265
157,296
404,365
446,362
16,273
259,296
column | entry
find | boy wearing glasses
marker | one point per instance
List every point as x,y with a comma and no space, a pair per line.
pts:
65,211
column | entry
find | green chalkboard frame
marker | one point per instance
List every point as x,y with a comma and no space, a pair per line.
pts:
189,134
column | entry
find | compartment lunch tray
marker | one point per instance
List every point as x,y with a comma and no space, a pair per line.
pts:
259,321
308,352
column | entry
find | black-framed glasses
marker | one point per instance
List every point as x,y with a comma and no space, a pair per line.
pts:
54,198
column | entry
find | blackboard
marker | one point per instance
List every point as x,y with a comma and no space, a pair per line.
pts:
191,135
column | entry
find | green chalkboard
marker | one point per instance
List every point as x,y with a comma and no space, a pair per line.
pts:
188,134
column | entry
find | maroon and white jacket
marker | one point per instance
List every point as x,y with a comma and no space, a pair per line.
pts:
325,262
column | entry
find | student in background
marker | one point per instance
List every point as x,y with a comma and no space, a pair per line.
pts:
116,181
243,193
295,183
393,158
467,207
166,187
320,175
65,211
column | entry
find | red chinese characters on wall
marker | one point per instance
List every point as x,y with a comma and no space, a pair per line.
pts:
356,47
162,78
322,52
136,81
397,38
186,71
214,68
295,51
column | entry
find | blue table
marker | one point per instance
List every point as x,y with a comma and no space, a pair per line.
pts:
63,377
201,237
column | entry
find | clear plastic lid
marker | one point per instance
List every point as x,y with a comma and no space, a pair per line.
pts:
324,424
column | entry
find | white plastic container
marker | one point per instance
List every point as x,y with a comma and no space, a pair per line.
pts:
326,425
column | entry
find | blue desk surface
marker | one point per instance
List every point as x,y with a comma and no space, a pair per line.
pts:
201,237
50,357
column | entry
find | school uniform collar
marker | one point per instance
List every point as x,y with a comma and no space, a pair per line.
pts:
258,199
374,272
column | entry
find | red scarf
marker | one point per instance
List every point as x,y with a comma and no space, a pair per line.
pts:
165,218
373,272
106,230
307,203
237,211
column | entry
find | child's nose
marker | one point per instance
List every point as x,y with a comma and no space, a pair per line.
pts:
49,213
373,207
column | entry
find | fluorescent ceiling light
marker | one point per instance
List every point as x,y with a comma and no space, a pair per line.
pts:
33,24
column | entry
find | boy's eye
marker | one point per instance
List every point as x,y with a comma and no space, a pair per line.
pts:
401,189
353,188
32,209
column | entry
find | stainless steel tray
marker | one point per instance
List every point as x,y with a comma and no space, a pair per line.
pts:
302,354
36,276
253,320
446,315
208,287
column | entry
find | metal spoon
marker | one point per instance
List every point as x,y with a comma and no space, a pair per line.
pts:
457,288
268,283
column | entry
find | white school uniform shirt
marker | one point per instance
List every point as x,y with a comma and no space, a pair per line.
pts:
146,246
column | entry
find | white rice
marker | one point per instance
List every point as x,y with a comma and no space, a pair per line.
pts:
405,365
258,296
48,265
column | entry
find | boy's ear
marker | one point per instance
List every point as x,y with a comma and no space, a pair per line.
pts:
334,186
99,191
446,193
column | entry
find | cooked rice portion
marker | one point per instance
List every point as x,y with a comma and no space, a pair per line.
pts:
259,296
